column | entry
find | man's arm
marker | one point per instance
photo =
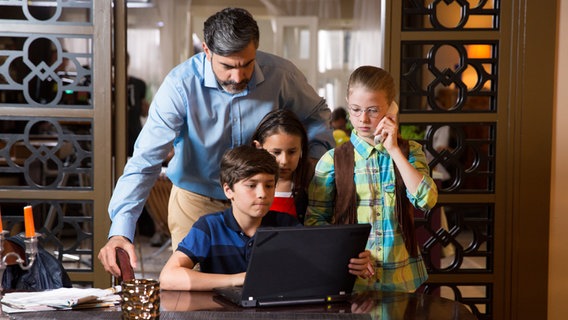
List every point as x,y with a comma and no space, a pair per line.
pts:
166,117
178,274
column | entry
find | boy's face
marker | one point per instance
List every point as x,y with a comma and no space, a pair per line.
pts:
251,198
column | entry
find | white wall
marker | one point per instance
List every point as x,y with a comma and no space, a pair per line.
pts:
558,248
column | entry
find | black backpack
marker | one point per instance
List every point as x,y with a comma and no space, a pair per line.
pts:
46,272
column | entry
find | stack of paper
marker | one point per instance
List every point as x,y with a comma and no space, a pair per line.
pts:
63,298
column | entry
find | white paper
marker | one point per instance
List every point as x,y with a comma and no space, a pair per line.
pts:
63,298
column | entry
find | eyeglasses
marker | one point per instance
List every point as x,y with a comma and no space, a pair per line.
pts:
371,112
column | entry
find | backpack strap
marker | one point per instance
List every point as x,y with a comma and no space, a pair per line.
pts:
403,209
346,195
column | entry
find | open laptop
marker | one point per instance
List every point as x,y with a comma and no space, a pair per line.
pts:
298,265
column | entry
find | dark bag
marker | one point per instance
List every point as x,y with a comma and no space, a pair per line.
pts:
46,272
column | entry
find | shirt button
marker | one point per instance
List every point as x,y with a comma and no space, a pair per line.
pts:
250,244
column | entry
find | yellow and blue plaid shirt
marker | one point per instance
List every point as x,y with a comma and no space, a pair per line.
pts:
374,179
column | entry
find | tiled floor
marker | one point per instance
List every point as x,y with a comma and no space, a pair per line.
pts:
150,259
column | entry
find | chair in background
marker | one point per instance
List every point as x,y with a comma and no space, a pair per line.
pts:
157,207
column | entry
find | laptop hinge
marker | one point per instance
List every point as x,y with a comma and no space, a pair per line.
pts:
268,303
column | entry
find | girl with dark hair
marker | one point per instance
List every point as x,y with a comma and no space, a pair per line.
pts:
283,135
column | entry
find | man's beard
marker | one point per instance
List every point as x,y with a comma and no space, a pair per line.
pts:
234,87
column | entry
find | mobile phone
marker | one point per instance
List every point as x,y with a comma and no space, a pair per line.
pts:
392,110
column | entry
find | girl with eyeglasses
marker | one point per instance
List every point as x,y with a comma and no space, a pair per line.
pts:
390,177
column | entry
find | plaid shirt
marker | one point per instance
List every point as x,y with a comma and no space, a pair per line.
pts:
374,179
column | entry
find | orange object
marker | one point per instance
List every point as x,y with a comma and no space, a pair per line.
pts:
29,221
1,227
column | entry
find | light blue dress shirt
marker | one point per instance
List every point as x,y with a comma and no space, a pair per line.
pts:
191,111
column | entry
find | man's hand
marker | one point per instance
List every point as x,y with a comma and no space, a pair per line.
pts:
107,255
362,265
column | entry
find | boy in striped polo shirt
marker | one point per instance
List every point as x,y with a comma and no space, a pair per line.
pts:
221,242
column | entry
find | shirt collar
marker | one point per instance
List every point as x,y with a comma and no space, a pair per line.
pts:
257,76
232,223
230,220
209,79
363,148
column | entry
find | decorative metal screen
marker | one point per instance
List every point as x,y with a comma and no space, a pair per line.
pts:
47,122
449,86
466,15
46,153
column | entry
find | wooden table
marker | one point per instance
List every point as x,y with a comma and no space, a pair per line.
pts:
206,305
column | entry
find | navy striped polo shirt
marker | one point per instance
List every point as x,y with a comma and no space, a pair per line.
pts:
219,245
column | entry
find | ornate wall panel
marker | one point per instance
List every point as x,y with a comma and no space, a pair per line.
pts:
448,75
457,76
51,153
464,15
38,71
50,116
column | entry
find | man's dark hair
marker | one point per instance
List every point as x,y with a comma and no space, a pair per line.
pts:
244,162
230,31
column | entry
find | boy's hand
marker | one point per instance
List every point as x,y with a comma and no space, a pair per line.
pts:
362,266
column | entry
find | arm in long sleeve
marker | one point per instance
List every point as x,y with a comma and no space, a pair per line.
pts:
421,188
166,117
321,193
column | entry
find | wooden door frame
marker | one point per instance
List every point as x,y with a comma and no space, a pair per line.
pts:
531,92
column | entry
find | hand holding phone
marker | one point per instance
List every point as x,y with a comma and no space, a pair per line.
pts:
393,111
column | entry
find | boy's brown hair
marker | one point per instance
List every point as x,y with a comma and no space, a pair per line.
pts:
244,162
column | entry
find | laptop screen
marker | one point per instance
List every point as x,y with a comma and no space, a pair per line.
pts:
295,263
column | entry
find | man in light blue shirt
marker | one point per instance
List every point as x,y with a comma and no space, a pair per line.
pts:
206,105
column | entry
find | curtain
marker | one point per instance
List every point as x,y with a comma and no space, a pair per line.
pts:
145,57
324,9
368,28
